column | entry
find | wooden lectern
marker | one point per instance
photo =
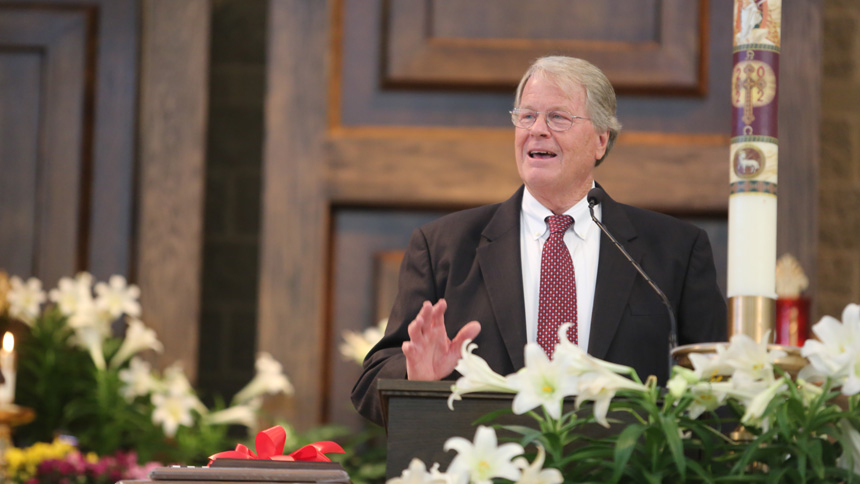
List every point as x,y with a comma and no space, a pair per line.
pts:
249,471
418,420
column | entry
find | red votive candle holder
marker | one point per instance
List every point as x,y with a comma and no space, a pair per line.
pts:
792,321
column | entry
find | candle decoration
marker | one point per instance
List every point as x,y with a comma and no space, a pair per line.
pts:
753,167
792,308
7,365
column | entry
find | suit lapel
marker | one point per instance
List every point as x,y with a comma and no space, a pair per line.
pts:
501,266
615,277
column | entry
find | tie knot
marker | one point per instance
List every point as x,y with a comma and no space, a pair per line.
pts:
558,224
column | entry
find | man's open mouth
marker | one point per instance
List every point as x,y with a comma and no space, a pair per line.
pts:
541,155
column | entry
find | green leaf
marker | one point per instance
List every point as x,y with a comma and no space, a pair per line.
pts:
776,475
492,416
700,471
624,448
814,452
528,434
670,430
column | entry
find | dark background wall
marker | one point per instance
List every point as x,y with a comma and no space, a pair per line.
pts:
231,237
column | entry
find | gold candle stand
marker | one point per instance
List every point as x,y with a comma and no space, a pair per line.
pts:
11,415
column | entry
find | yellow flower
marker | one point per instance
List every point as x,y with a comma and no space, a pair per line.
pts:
22,463
14,459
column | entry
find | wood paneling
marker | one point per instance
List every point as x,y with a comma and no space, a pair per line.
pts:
48,207
82,93
475,166
799,121
114,128
69,124
174,73
293,269
19,159
650,46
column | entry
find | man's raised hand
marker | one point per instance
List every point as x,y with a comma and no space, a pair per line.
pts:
430,355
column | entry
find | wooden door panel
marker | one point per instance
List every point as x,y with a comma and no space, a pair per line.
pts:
646,46
19,117
49,190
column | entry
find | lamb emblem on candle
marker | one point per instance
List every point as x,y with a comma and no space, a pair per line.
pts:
749,161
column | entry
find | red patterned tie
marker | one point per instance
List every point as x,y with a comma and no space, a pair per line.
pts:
557,286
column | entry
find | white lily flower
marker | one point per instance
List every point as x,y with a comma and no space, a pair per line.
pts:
837,353
477,376
681,379
137,379
808,391
535,473
270,378
542,382
245,414
677,386
447,477
87,314
117,297
707,397
172,409
485,459
72,294
91,327
751,361
175,379
25,299
356,345
417,473
176,382
601,386
711,367
91,338
755,408
850,458
578,361
137,338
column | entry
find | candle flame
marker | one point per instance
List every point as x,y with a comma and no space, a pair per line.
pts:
8,341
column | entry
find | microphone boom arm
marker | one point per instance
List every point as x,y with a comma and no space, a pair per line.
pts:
673,325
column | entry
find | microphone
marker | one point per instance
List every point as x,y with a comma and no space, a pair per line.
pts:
595,196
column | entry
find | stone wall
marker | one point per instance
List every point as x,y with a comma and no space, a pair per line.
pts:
839,182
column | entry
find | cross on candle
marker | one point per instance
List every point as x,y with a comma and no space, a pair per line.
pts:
749,84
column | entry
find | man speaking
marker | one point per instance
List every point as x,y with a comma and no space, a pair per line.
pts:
510,273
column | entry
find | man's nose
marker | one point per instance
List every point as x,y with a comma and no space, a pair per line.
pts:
540,128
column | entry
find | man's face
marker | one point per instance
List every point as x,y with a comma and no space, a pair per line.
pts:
557,165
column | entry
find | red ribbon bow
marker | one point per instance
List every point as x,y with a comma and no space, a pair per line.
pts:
270,445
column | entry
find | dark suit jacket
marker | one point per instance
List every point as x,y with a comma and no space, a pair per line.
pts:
472,259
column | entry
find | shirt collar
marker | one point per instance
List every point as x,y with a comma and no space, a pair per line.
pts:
535,214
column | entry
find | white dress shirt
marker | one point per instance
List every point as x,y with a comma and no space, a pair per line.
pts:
583,242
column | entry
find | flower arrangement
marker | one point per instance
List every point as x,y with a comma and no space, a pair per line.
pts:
84,380
81,368
52,462
795,429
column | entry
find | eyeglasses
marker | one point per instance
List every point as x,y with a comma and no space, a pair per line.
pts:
555,120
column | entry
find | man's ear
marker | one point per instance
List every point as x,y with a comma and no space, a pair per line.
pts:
602,142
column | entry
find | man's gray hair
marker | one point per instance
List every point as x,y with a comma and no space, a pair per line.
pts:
569,73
